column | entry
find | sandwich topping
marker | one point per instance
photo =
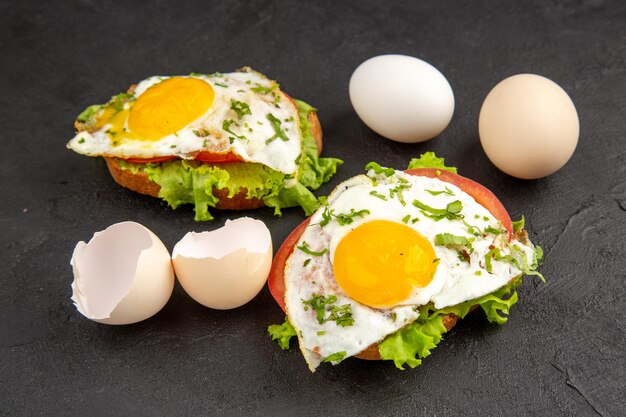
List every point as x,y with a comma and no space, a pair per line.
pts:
181,131
243,113
396,250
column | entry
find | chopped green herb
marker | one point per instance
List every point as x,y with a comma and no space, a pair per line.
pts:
326,216
455,207
226,126
276,99
492,230
393,316
321,333
308,261
397,190
341,315
172,146
494,254
478,273
451,212
201,133
447,239
278,132
305,248
446,191
81,140
240,108
118,101
264,90
221,85
318,303
406,218
335,357
472,229
347,218
518,225
378,195
88,113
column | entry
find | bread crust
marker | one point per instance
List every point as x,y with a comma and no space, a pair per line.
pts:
140,183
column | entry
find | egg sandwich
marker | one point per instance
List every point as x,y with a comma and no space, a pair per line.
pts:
392,260
229,141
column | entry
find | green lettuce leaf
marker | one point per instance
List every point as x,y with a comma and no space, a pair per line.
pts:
314,171
429,160
295,195
188,182
183,183
282,333
415,341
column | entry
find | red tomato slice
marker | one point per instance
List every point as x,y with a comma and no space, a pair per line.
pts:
150,160
276,279
217,157
202,157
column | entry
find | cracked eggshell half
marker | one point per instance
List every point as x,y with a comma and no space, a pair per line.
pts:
227,267
123,275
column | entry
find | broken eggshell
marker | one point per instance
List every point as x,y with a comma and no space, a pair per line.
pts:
227,267
122,276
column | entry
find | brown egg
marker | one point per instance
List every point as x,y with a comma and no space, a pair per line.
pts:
528,126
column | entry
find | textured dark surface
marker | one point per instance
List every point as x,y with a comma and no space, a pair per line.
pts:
561,353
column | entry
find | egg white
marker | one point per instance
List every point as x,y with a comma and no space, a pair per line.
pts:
206,133
454,282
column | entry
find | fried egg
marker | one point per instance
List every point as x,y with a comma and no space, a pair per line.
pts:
242,113
383,246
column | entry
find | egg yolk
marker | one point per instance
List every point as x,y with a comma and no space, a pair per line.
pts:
163,109
380,263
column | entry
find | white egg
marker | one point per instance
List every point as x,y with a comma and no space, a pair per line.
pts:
122,275
402,98
227,267
375,250
528,126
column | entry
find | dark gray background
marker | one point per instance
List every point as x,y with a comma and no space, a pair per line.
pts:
561,353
